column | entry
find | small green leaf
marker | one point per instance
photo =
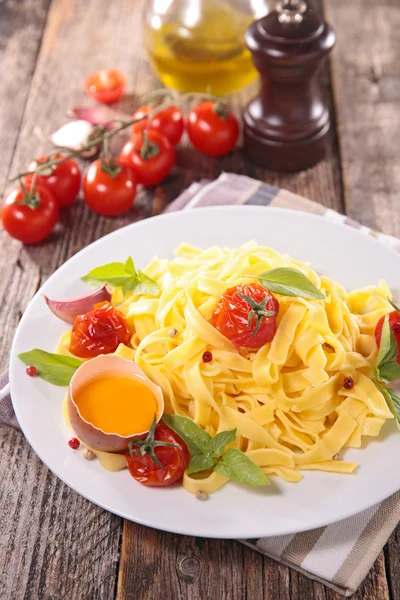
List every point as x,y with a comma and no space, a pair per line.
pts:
237,466
389,371
118,274
396,308
145,285
54,368
222,440
393,401
385,343
197,440
387,367
130,266
200,462
290,282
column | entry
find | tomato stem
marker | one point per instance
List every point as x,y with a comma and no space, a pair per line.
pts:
221,109
149,445
149,148
257,310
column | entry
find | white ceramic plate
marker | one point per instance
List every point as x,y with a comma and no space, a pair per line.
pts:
235,511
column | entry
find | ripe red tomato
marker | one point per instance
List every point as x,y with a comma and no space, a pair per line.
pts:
32,221
212,128
106,86
168,121
107,194
394,324
174,460
99,331
64,182
242,315
150,155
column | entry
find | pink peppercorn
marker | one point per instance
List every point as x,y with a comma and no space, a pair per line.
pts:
31,371
207,356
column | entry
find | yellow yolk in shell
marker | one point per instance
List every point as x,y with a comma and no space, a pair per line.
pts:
117,405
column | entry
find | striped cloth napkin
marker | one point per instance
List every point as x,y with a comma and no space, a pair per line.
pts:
339,555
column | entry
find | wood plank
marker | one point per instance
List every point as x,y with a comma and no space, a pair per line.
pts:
21,28
367,73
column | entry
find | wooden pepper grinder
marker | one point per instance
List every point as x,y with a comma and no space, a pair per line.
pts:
285,127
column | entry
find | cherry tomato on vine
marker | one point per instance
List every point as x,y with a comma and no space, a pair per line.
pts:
63,182
99,331
246,315
168,121
30,218
173,460
109,187
106,86
150,155
212,128
394,324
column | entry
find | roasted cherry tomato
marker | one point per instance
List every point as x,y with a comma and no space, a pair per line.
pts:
212,128
106,86
99,331
150,155
173,460
394,324
64,182
246,315
30,219
168,121
109,187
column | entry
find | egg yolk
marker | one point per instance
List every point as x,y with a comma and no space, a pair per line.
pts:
117,405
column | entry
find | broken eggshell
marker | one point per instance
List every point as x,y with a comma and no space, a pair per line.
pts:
88,432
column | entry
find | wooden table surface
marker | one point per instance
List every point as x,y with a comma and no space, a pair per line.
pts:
53,543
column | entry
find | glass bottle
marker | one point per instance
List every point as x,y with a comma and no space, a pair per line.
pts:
198,45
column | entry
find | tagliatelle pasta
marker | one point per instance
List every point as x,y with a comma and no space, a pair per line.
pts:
287,399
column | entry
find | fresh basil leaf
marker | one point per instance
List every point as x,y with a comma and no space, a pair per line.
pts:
222,440
393,401
396,308
145,285
197,440
386,363
237,466
290,282
115,274
200,462
389,371
54,368
118,274
130,266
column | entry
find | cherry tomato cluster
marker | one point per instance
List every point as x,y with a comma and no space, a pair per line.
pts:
31,211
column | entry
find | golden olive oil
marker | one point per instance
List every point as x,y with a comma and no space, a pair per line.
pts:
203,53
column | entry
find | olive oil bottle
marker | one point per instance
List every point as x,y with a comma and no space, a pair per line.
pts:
198,45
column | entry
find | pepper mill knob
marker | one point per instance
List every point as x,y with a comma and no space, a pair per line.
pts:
285,127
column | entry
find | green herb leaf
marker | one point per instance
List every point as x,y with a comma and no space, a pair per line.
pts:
393,401
197,440
201,462
396,308
222,440
54,368
389,371
237,466
118,274
387,368
145,285
290,282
